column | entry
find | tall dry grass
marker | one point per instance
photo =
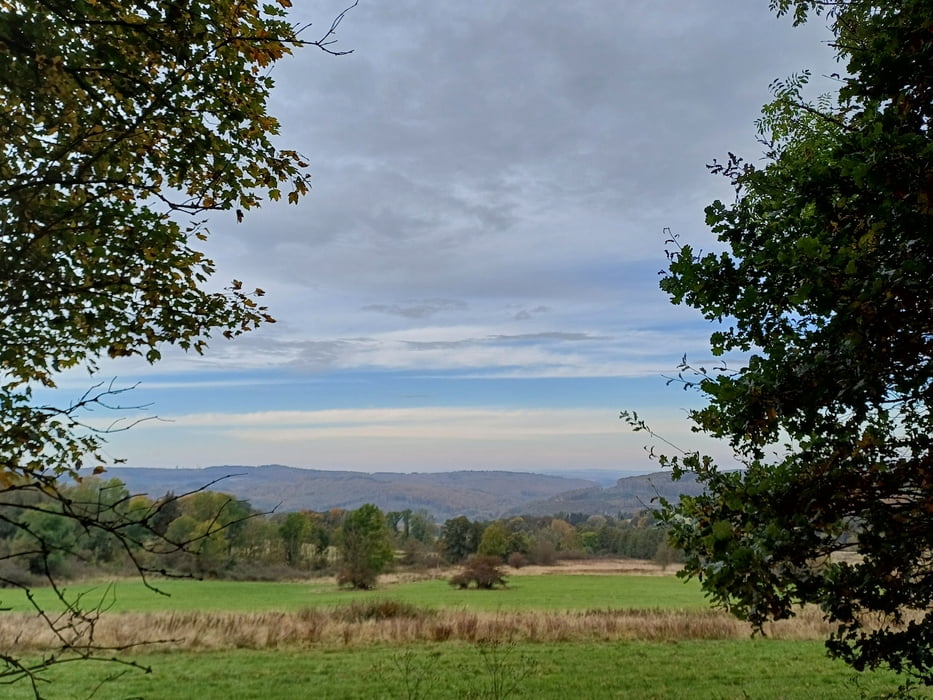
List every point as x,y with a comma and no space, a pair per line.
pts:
400,624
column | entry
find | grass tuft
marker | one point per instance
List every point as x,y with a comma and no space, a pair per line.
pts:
381,609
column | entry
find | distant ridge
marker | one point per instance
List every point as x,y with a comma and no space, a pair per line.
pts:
482,495
629,495
476,494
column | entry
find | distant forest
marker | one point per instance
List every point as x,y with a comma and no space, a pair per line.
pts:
212,534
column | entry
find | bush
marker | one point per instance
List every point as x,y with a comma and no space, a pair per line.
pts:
482,571
258,571
543,552
517,560
358,576
384,609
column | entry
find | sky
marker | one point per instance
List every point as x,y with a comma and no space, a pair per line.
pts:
472,282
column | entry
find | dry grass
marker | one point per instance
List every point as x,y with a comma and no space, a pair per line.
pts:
629,567
395,622
270,630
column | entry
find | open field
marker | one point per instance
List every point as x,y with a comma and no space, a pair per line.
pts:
525,592
589,634
759,669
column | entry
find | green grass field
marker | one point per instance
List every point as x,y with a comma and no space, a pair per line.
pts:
734,669
749,668
551,592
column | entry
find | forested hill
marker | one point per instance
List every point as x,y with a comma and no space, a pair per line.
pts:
628,495
476,494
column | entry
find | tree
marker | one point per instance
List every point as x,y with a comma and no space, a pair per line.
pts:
460,537
44,541
122,123
563,535
824,285
202,538
295,531
422,526
494,542
168,510
108,502
365,547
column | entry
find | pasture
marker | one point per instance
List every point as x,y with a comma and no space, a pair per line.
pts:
763,669
550,592
546,636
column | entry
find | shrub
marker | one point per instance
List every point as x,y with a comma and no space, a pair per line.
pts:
357,576
543,552
482,571
517,560
380,609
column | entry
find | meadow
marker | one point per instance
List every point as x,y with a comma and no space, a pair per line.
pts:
524,592
545,636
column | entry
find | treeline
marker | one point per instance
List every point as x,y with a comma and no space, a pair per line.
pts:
100,527
532,539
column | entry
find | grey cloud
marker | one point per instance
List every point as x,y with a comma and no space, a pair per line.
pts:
519,157
554,335
439,344
523,338
527,314
322,354
421,309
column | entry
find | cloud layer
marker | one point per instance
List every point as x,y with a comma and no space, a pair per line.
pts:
491,181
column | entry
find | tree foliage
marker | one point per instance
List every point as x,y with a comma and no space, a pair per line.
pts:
460,537
122,123
365,547
494,542
824,284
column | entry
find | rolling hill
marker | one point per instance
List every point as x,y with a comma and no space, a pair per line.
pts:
629,495
477,494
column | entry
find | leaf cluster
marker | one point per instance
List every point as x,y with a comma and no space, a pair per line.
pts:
824,285
123,124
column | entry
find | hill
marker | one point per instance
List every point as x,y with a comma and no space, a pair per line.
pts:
628,495
476,494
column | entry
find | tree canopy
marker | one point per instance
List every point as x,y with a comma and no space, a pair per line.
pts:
824,285
122,124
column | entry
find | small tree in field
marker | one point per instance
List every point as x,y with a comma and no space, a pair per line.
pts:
365,547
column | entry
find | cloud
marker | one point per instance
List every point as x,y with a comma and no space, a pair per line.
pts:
418,309
553,335
429,437
491,180
527,314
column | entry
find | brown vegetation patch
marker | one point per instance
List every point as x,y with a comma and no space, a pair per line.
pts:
270,630
629,567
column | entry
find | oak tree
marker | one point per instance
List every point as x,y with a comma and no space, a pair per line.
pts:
122,124
824,286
